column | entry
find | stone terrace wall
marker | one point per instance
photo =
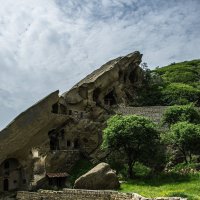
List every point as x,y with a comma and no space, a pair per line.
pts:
153,112
72,194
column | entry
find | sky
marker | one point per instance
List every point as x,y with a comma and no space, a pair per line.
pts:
47,45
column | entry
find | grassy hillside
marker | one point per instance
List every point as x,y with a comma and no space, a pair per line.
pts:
177,83
184,72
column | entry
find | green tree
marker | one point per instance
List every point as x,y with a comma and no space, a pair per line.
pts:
180,93
182,113
134,137
185,137
149,93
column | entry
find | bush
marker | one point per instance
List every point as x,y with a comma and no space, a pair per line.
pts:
134,137
178,113
140,170
184,168
180,93
184,137
181,83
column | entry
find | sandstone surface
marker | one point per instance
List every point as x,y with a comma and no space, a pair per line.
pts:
101,177
52,134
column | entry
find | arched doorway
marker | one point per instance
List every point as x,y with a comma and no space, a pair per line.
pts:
5,185
12,175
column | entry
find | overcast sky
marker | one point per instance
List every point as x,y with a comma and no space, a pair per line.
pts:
47,45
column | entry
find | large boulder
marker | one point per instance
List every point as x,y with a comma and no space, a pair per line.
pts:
101,177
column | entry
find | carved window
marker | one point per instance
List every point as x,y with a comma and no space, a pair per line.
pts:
55,108
6,165
63,134
54,140
70,112
76,144
68,143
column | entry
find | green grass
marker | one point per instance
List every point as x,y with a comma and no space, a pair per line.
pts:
165,186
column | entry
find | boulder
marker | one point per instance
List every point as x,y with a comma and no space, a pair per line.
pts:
101,177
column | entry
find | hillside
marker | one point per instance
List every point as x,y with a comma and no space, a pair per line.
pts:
177,83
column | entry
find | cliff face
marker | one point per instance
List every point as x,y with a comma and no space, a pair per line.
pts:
95,96
58,128
111,82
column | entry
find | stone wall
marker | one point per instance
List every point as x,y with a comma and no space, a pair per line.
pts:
153,112
72,194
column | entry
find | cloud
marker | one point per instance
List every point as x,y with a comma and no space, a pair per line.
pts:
52,44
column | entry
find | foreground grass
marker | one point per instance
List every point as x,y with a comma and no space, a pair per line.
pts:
165,186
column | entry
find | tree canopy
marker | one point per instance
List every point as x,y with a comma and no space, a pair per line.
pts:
185,137
135,137
177,83
178,113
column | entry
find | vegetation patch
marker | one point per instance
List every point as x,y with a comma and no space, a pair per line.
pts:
165,185
177,83
81,167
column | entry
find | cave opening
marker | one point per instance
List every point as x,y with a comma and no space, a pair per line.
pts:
76,144
62,109
12,174
68,143
6,164
133,76
96,94
6,184
110,99
55,108
54,140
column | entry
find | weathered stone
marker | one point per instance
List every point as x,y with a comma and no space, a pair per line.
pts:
60,127
74,194
100,177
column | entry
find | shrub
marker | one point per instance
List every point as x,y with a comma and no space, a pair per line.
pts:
178,113
185,137
134,137
180,93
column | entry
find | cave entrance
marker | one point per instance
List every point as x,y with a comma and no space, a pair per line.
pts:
12,174
55,108
96,94
68,143
5,185
58,108
76,144
133,76
54,140
110,99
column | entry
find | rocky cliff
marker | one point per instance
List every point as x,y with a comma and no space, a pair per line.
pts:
55,129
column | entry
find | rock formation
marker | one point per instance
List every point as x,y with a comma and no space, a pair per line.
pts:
101,177
59,128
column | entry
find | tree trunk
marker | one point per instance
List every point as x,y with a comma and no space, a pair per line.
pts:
186,161
130,169
190,156
185,157
184,154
